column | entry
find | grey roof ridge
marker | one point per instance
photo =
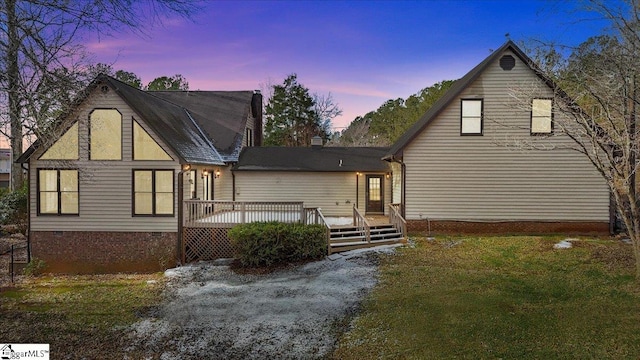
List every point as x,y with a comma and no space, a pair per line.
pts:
454,91
206,138
186,111
111,80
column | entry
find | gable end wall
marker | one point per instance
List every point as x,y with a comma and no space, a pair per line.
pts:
479,179
104,186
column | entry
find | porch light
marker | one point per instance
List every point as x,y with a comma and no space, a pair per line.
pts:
217,173
388,175
186,167
205,173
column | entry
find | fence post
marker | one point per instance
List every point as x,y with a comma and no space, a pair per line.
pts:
11,265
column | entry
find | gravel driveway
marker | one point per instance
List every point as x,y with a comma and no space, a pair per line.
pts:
215,313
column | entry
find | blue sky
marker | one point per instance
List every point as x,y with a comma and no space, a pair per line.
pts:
362,52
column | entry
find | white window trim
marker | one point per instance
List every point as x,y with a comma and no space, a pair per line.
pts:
473,117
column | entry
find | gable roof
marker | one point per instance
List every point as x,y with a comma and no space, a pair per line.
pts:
319,159
201,128
222,115
460,85
172,123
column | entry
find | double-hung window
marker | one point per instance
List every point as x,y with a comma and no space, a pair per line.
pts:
541,116
153,192
471,117
57,192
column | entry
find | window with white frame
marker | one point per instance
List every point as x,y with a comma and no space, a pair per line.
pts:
57,192
541,116
153,192
471,117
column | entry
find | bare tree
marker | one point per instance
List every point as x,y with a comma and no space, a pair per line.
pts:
596,87
326,109
42,62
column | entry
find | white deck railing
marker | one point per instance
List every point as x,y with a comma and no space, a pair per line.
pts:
216,213
361,223
396,219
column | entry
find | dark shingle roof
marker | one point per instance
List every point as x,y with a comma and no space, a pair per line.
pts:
455,90
222,115
201,127
173,123
329,159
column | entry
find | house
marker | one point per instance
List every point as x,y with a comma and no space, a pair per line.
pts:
5,168
334,179
106,191
130,175
482,159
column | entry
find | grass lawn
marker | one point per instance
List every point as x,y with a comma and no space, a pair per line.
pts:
79,316
501,297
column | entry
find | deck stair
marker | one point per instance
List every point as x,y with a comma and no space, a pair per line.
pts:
344,238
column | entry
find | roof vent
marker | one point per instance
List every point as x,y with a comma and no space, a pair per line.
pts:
316,142
507,62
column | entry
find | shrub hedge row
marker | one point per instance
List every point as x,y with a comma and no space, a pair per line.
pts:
273,243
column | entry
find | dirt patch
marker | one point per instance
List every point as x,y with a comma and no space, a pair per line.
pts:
615,256
214,312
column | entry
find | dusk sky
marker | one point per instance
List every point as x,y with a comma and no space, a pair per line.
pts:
362,52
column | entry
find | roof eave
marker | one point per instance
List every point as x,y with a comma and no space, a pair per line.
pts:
455,90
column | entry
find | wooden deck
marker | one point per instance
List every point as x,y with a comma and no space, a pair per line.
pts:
205,226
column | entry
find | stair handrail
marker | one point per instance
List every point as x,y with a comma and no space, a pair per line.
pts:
323,221
319,219
360,222
396,219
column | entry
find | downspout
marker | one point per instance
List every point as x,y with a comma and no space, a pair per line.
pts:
180,214
233,185
357,189
403,193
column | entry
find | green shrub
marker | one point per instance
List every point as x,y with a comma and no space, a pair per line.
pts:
13,208
273,243
35,267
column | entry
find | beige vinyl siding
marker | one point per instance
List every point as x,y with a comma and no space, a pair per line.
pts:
250,125
396,183
333,192
491,177
223,186
362,190
104,186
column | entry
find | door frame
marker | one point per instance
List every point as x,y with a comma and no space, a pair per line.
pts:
367,203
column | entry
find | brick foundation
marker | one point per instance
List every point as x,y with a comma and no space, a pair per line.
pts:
80,252
509,227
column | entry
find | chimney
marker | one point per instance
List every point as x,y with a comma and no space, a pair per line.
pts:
256,110
316,142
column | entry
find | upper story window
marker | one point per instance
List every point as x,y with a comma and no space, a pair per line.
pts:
471,117
65,148
541,116
249,137
105,132
57,192
153,192
145,147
